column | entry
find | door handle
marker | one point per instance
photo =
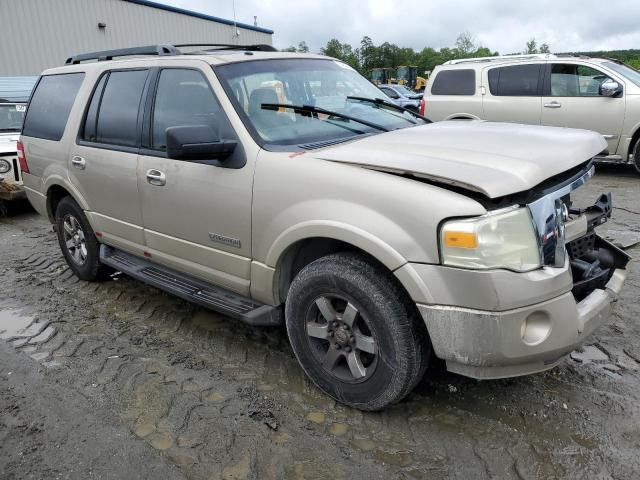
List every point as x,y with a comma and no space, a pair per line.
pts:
79,162
156,177
553,105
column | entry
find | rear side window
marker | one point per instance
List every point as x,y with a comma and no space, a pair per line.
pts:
50,106
515,81
112,116
118,112
454,82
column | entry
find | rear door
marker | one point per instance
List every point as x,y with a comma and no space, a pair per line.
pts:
572,99
103,162
197,219
513,93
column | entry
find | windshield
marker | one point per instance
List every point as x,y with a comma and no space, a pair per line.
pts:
11,117
407,92
626,72
323,84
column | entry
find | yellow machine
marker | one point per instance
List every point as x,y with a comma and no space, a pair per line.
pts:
380,76
408,75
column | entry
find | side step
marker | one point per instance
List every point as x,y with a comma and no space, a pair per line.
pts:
191,289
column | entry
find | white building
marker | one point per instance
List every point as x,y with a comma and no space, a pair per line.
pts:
39,34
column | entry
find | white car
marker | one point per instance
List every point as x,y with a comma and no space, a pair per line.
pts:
596,94
14,96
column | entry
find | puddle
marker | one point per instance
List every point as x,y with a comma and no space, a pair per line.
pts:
15,324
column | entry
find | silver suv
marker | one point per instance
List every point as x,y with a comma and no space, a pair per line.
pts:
596,94
281,188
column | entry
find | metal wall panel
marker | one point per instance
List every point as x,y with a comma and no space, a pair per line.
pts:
39,34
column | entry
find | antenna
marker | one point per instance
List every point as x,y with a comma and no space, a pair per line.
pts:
236,32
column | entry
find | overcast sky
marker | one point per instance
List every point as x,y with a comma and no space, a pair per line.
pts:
503,25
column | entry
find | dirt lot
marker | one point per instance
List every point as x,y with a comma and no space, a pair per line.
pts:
119,380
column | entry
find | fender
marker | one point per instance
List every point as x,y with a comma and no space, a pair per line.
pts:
355,236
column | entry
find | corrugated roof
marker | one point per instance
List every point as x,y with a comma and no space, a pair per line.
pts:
203,16
16,89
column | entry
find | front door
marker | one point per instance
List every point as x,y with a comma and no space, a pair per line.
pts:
573,100
197,215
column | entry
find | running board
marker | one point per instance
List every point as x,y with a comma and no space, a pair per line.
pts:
197,291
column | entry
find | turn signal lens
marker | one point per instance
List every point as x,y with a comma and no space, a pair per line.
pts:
460,240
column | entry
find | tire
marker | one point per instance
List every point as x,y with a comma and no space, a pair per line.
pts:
355,331
78,242
636,156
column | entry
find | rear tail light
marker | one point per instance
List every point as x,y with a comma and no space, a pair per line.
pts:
423,106
22,159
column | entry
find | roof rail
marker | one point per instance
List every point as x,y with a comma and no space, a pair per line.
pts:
123,52
161,50
228,46
528,56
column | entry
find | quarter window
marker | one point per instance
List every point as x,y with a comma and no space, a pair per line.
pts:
454,82
576,81
183,98
515,81
51,104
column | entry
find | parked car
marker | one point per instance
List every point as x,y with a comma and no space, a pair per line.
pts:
14,95
579,92
403,96
377,237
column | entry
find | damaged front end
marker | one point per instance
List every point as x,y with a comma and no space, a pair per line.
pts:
567,231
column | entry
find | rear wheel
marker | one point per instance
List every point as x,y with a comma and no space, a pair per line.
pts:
78,241
355,332
636,156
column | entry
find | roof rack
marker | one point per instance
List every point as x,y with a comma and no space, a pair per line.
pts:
161,50
228,46
529,56
123,52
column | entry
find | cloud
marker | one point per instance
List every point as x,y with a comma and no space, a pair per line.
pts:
503,25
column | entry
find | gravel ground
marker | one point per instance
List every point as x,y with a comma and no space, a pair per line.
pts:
119,380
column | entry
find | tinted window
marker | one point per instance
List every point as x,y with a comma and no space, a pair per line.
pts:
575,81
515,81
118,113
51,104
454,82
91,121
183,98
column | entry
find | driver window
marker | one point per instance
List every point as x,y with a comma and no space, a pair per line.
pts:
390,92
576,81
183,98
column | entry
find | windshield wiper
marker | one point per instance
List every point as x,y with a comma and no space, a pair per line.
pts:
312,109
386,103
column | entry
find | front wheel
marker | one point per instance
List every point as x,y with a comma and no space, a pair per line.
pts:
78,241
355,332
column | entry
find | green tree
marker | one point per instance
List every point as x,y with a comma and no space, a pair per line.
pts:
465,45
341,51
544,48
289,49
302,47
532,46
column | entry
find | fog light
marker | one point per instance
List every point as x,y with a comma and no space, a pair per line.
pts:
536,328
4,166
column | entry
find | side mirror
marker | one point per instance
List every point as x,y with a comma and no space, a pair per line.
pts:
610,89
197,142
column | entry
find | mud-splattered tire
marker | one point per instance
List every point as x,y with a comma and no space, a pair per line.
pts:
636,156
355,331
78,242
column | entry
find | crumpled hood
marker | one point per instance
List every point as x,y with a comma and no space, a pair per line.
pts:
495,159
